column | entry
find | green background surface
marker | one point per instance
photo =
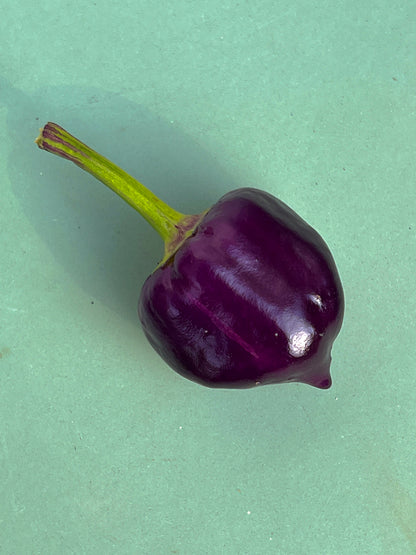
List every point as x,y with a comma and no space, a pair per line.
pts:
103,448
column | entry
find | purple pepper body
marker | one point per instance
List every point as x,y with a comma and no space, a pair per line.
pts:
252,297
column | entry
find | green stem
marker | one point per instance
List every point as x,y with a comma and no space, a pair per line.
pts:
170,224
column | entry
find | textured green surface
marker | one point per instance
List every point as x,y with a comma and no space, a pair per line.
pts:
103,449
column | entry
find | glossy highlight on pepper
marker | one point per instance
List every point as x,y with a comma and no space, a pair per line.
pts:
247,292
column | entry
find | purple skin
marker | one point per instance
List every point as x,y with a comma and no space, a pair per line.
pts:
253,297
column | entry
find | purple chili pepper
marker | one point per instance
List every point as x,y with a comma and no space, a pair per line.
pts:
247,292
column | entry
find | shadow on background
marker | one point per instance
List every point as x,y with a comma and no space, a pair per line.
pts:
103,244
